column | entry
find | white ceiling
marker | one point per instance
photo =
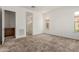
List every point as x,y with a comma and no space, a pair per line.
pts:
41,8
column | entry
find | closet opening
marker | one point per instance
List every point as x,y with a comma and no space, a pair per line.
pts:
9,26
29,23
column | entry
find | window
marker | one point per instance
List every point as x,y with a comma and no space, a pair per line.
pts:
77,21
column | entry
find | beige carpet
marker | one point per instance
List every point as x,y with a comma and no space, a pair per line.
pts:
41,43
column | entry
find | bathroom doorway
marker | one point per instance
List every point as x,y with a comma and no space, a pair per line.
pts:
29,23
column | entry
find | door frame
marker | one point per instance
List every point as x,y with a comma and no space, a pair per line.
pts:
27,22
3,24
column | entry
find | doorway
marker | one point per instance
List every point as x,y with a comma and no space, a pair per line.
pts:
9,26
29,23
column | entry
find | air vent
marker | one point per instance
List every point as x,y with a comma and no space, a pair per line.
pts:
21,32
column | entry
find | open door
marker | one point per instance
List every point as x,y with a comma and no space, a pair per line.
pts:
0,26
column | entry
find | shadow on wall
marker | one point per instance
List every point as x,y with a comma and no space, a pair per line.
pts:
0,26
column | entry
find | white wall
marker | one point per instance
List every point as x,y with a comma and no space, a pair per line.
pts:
62,22
37,23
